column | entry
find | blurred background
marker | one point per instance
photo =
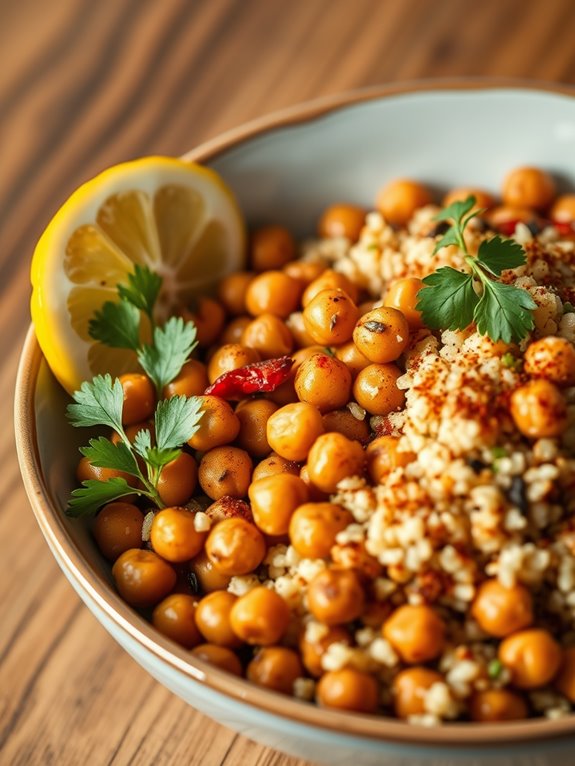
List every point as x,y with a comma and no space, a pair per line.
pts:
86,84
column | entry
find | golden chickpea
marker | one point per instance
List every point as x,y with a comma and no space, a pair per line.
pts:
293,429
229,357
532,657
261,616
272,465
219,656
305,271
314,527
351,356
563,209
483,199
528,187
209,578
501,611
348,689
175,617
551,358
383,456
178,480
218,425
399,200
347,424
139,398
382,334
269,335
273,292
209,318
275,667
403,296
227,508
375,389
272,247
174,536
315,494
192,380
409,688
296,325
565,681
330,317
416,632
493,705
539,409
342,220
333,458
313,651
213,619
142,577
274,500
233,331
323,381
336,596
330,280
235,547
225,471
117,528
254,416
232,292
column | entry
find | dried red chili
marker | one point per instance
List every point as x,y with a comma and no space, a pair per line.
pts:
252,379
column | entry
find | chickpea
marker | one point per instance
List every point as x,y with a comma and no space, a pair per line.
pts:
336,596
528,187
563,209
209,318
293,429
330,280
347,424
342,220
403,296
272,247
494,705
235,547
118,527
273,292
139,398
383,456
399,200
313,651
483,199
274,500
254,416
218,425
229,357
348,689
409,688
305,271
175,617
173,535
296,325
375,389
233,331
260,616
275,667
220,656
501,611
269,335
351,356
227,508
142,577
330,317
551,358
225,471
314,527
213,619
532,656
315,494
565,680
272,465
232,292
209,578
323,381
192,380
416,632
539,409
382,334
86,470
178,480
332,458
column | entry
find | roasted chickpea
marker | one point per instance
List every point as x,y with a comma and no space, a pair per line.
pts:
551,358
332,458
346,423
229,357
227,508
532,657
336,596
383,455
232,292
494,705
330,317
175,617
293,429
348,689
174,536
209,318
563,209
539,409
225,471
233,331
86,470
323,381
220,656
192,380
269,335
528,187
501,611
351,356
274,500
218,425
213,619
409,688
139,398
382,334
314,527
142,577
275,667
305,271
565,680
330,280
416,632
178,480
235,547
313,649
208,577
272,465
273,292
342,220
261,616
254,416
375,389
118,527
296,325
399,200
272,247
315,494
483,199
403,296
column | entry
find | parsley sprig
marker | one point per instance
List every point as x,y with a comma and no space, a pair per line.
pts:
452,300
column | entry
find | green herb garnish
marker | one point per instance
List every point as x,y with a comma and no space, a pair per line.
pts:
494,669
452,300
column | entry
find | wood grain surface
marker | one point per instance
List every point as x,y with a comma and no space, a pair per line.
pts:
83,85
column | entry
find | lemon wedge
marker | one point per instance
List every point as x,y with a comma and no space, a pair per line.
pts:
178,218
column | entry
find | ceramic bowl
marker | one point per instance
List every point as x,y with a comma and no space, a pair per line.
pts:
286,169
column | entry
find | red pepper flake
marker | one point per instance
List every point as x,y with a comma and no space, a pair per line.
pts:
252,379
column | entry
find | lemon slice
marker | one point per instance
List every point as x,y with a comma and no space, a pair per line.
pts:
176,217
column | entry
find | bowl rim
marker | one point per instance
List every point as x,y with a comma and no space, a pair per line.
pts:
70,559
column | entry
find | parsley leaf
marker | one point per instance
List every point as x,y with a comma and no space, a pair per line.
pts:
98,403
93,494
449,299
177,420
456,211
117,325
154,456
142,289
103,453
504,312
164,358
498,254
449,238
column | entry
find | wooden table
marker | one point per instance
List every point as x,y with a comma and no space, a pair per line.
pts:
86,84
